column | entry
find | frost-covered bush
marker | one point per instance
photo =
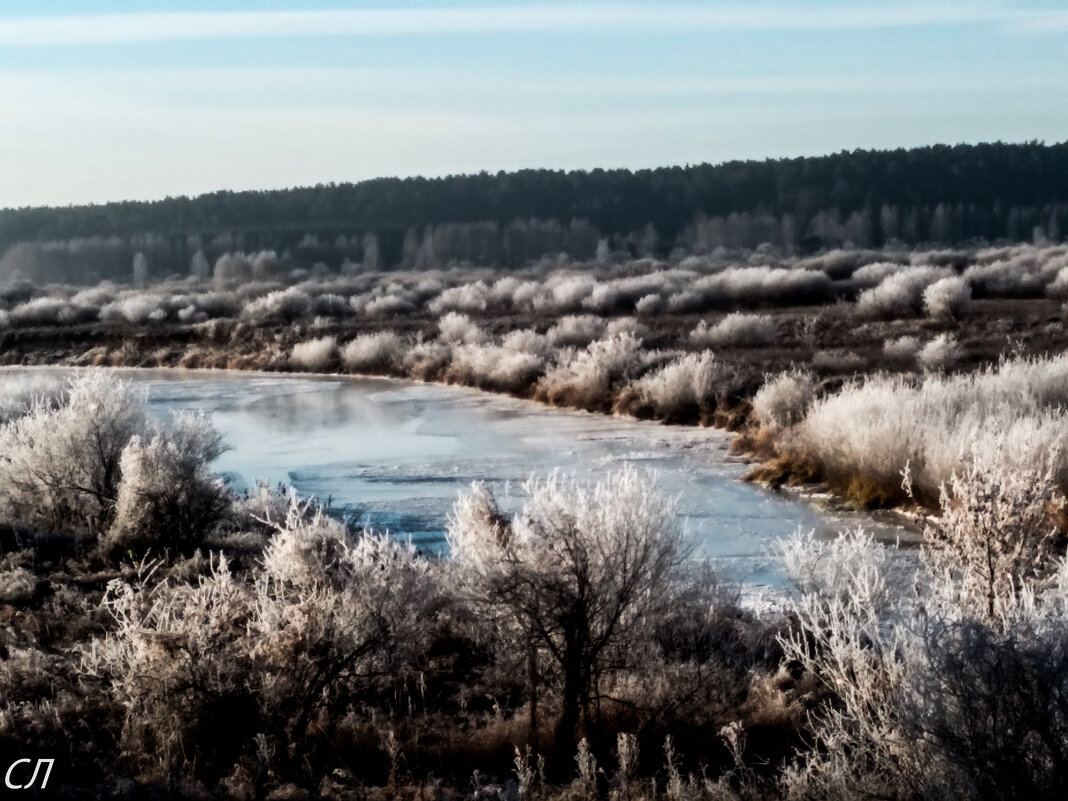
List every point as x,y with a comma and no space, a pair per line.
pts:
330,612
459,329
650,305
902,349
871,275
588,378
285,305
946,680
900,294
783,399
736,330
996,537
137,309
380,352
75,464
494,367
684,390
1058,287
941,353
582,575
576,330
474,297
1025,273
567,291
315,355
626,325
384,306
751,286
427,360
526,340
60,467
947,298
176,661
46,311
168,498
864,435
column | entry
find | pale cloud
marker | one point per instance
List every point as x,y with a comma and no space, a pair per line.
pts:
162,26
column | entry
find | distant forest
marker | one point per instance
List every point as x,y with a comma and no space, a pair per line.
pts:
932,195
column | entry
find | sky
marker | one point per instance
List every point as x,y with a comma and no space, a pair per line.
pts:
106,100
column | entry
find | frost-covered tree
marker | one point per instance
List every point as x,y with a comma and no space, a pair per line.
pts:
582,574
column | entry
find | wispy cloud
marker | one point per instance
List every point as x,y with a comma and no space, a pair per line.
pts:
591,17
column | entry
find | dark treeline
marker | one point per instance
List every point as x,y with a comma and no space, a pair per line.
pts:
939,194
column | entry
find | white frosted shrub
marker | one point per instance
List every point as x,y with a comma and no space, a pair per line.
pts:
175,655
459,329
736,330
384,306
783,399
944,681
900,294
530,296
902,349
59,467
845,634
576,330
138,309
526,340
626,325
329,609
494,367
996,536
946,299
382,351
427,360
315,355
284,305
567,292
751,286
650,305
604,299
941,353
95,297
871,275
588,377
1058,287
1024,274
681,387
466,298
41,312
873,428
168,498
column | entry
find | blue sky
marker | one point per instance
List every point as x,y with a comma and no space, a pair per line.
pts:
117,99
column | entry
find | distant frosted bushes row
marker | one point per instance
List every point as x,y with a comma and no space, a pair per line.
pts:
885,286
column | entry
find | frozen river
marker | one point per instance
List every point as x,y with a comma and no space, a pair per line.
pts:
394,455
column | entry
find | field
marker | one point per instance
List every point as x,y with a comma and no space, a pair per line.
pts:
163,636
